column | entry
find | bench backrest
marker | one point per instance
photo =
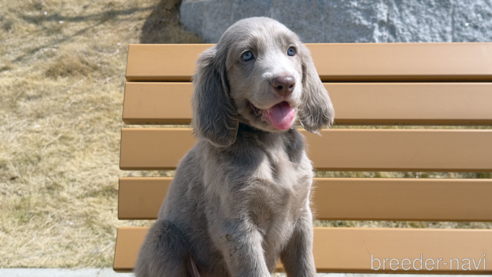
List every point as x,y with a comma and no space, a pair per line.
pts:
370,84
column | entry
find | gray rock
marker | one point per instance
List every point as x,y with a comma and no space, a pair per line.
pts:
312,20
306,19
349,20
334,21
472,20
192,14
420,21
356,21
210,19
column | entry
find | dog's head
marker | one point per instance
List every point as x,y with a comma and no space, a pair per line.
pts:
259,74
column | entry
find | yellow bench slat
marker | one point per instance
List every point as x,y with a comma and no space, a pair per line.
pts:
355,103
350,249
336,61
352,149
349,199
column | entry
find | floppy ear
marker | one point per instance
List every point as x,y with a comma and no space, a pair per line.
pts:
214,115
316,110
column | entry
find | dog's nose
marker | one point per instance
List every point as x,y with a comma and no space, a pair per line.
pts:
284,85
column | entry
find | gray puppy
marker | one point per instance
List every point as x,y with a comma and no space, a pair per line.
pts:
240,197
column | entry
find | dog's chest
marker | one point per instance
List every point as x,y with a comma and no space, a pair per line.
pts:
281,188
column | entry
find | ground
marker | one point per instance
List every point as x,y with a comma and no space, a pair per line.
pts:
62,67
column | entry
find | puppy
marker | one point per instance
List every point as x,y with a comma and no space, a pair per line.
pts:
240,197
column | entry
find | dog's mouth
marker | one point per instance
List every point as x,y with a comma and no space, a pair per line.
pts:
280,115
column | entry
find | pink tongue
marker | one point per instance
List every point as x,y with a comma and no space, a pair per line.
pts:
281,116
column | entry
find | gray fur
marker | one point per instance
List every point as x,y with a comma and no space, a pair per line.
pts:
240,196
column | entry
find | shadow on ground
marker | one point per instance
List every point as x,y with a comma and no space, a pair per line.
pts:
162,26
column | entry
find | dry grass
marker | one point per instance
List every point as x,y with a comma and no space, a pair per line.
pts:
61,87
62,70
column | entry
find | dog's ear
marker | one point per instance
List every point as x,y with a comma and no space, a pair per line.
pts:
316,110
214,114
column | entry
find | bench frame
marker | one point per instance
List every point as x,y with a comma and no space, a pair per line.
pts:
369,84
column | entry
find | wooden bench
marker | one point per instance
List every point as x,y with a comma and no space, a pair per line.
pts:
370,84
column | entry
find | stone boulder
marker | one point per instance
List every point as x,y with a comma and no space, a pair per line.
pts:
349,20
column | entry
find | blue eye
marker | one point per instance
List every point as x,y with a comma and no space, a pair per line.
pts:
247,56
291,51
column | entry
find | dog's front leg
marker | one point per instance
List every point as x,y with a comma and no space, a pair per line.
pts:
243,251
297,257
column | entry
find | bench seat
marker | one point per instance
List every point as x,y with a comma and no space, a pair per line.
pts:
445,88
349,198
348,249
356,103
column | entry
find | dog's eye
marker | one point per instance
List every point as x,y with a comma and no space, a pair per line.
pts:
247,56
291,51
